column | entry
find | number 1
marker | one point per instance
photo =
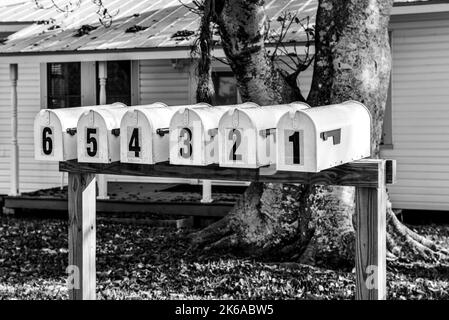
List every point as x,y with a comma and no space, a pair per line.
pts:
294,138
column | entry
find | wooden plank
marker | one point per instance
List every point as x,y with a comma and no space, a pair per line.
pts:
214,209
82,236
363,173
371,242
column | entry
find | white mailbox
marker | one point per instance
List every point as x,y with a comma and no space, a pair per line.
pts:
193,134
318,138
247,136
98,135
55,132
144,133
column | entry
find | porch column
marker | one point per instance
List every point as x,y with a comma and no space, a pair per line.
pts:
207,191
14,190
102,181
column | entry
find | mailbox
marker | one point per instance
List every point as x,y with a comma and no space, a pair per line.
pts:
144,133
193,134
246,137
55,132
98,135
318,138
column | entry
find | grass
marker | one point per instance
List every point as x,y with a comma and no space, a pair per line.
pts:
142,262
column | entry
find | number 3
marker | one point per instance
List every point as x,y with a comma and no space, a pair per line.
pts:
185,135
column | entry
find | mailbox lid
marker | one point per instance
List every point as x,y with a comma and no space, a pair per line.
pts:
265,117
110,116
332,116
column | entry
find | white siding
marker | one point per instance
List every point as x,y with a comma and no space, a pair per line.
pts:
420,115
32,174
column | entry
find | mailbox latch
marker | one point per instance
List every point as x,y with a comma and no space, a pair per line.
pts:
266,132
116,132
212,132
162,131
335,134
71,131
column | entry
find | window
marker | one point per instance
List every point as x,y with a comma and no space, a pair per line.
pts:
63,85
225,87
118,83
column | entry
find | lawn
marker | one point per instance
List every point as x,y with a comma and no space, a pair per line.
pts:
144,262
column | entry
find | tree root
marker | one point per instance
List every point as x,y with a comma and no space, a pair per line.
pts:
404,243
255,226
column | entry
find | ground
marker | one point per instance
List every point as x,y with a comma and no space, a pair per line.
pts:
143,262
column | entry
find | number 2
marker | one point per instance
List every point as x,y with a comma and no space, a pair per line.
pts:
186,150
235,136
47,142
294,138
134,143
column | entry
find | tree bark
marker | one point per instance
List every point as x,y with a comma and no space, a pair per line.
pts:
352,62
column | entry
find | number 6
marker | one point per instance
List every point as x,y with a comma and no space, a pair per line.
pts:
47,142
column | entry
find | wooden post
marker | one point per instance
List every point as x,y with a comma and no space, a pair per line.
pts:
82,236
371,208
14,185
102,77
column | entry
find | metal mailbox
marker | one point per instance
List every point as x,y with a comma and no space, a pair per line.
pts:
98,135
144,133
318,138
55,132
193,134
246,137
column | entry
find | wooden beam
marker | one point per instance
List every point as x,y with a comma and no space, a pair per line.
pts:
363,173
82,236
371,208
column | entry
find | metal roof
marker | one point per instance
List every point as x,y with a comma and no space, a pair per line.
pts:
165,23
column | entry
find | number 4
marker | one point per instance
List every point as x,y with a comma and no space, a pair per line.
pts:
134,144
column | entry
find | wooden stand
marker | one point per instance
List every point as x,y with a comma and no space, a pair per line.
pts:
369,176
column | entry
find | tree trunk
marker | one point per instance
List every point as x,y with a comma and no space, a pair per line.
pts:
352,62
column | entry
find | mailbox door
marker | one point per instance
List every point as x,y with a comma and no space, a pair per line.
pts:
237,140
135,138
186,143
296,143
48,137
92,139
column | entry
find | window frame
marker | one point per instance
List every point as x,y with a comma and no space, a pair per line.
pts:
88,83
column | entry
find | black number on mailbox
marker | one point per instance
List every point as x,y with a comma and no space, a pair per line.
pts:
47,142
186,135
91,150
294,138
134,144
235,136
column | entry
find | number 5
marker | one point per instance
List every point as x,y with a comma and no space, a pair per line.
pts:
92,152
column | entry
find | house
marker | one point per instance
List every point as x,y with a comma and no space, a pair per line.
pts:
60,59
